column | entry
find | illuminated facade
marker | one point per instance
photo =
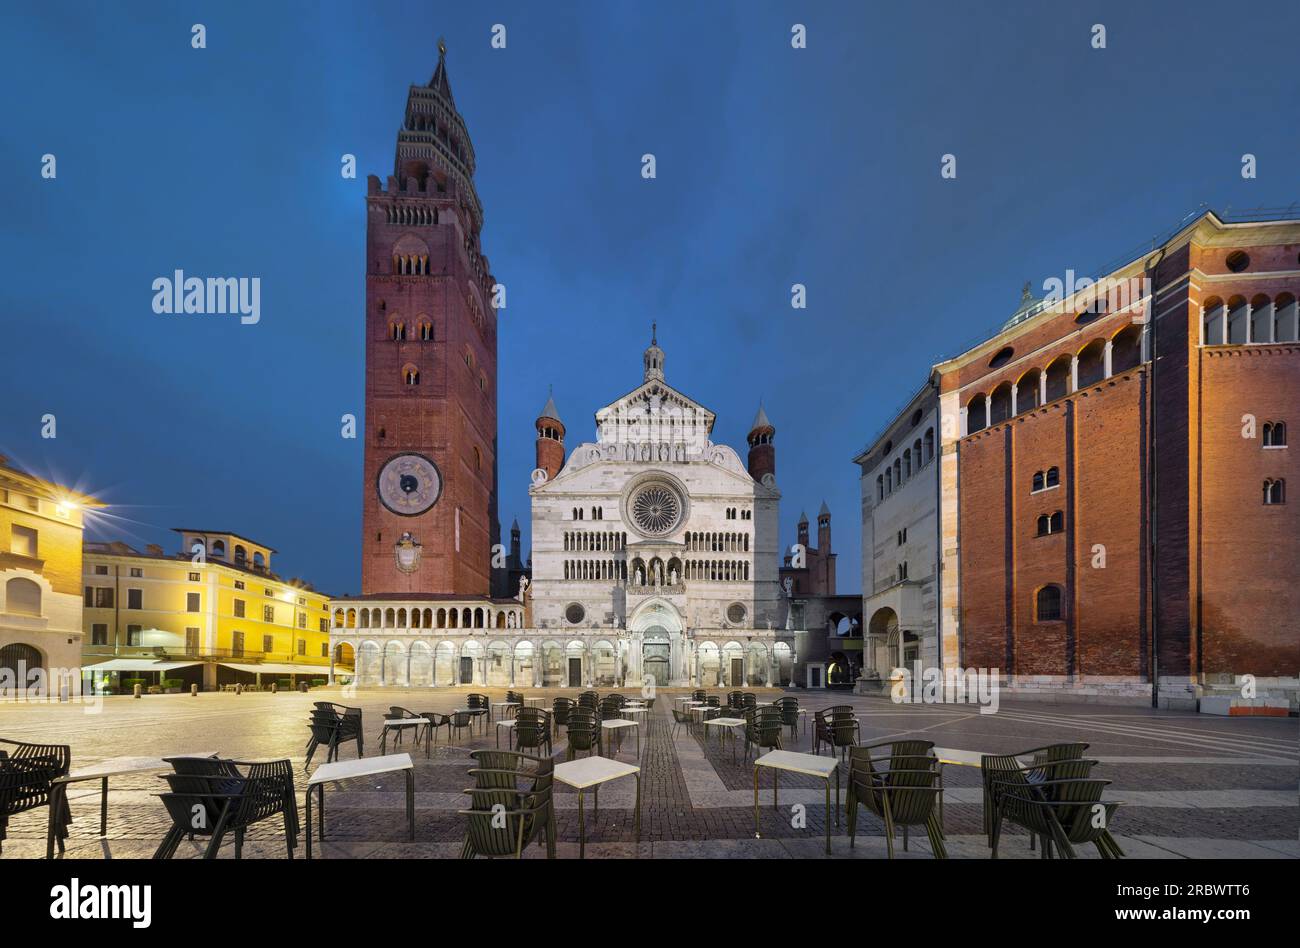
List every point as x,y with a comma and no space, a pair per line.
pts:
40,583
212,614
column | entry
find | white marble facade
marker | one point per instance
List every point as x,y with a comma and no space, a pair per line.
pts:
658,540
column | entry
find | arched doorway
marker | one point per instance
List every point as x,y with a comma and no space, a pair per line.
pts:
17,663
663,642
882,645
656,655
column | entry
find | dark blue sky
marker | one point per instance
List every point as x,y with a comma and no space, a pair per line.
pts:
775,166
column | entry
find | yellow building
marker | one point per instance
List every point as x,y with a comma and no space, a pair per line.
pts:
40,583
213,614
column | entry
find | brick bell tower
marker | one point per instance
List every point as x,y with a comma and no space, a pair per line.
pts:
429,493
550,440
762,446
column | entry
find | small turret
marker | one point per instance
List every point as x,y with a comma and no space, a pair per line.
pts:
824,529
653,358
803,530
550,441
762,447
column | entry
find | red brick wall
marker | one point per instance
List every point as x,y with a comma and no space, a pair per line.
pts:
1249,553
445,417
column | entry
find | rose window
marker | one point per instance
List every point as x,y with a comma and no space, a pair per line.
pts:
656,509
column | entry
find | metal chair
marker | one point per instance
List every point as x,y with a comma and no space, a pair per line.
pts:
27,774
903,794
584,732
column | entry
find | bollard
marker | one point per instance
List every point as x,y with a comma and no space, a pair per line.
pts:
239,688
136,691
302,686
194,691
275,687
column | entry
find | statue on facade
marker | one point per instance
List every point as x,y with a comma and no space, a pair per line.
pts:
523,587
640,579
672,577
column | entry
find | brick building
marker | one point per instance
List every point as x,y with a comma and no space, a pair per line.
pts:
1113,475
827,626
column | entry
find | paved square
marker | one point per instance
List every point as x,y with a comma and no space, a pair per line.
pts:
1191,785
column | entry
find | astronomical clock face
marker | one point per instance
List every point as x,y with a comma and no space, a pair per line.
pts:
409,484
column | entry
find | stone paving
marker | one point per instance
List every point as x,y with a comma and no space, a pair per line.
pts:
1192,785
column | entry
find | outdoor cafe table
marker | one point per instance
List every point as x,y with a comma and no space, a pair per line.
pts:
614,725
509,725
506,705
812,765
732,723
362,767
634,709
112,767
535,702
960,758
398,724
588,772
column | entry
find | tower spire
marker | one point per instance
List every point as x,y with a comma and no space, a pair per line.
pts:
654,356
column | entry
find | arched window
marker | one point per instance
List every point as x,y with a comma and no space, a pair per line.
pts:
1044,525
1092,363
1053,477
929,444
889,482
880,487
898,471
1038,481
1214,322
1275,492
1058,378
1000,404
1261,319
219,549
398,331
1286,319
1048,604
426,331
22,597
977,414
1027,391
907,462
1275,434
478,459
1126,349
1057,522
1238,315
411,375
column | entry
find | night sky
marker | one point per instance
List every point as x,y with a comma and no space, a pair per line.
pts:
775,166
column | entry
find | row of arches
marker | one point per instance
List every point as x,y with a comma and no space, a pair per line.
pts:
717,542
1096,361
911,459
464,617
552,663
421,330
615,570
413,216
736,513
579,513
579,541
1258,321
411,264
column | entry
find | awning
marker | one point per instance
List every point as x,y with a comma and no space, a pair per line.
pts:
270,668
135,665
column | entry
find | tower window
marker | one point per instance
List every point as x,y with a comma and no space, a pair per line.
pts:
426,331
1048,604
1275,492
397,331
411,375
1275,434
1038,481
1053,477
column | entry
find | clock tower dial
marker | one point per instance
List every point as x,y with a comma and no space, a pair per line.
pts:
409,484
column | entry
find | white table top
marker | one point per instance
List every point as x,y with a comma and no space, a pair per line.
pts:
509,722
965,758
630,710
813,765
362,767
724,722
114,766
405,722
617,723
589,771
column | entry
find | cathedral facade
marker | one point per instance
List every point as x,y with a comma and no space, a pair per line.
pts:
660,542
